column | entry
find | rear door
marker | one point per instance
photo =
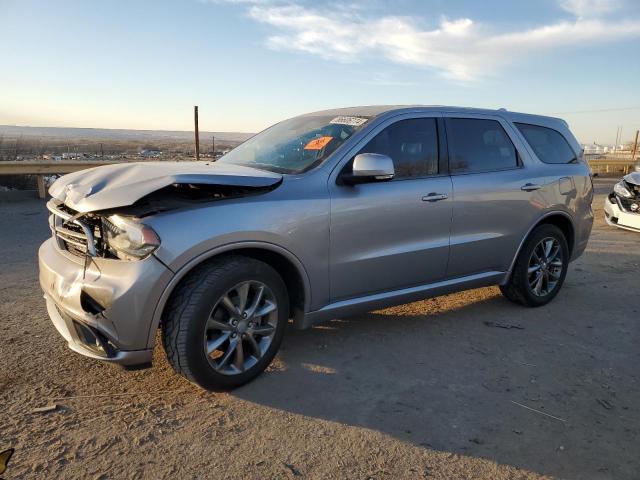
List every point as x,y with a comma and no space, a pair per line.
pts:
497,193
394,234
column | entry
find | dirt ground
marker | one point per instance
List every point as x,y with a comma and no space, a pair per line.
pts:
425,390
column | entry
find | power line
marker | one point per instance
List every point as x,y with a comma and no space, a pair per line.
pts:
598,110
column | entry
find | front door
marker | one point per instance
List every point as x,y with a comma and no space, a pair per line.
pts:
394,234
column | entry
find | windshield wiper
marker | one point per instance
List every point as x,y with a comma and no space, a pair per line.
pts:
269,167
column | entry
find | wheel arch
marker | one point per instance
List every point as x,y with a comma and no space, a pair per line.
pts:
560,219
283,261
565,224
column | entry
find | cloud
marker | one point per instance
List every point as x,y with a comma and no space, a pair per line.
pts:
383,79
589,8
459,49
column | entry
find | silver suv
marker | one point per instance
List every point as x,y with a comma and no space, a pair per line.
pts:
324,215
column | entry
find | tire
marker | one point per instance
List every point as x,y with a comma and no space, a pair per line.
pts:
519,287
201,312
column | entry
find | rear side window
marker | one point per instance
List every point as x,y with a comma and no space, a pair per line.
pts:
477,145
411,144
548,144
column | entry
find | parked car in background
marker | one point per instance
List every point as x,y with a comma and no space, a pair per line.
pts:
622,207
321,216
148,153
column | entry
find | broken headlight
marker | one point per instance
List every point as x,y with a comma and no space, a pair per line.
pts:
621,189
128,239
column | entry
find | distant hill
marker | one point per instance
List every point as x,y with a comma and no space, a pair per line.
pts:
118,134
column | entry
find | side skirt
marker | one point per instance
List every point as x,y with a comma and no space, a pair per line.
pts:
354,306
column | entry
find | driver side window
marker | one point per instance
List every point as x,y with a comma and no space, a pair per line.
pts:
411,144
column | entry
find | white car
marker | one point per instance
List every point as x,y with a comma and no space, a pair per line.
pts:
622,207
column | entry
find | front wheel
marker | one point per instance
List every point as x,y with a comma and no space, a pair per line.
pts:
225,322
540,269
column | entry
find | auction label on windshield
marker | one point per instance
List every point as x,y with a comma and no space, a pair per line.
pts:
351,121
318,143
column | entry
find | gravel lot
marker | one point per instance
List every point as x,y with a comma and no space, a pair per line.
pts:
425,390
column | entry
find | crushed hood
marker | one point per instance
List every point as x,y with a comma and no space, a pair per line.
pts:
121,185
633,178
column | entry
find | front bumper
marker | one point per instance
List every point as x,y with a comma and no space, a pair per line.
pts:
617,217
105,310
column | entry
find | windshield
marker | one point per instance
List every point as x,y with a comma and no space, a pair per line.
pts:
295,145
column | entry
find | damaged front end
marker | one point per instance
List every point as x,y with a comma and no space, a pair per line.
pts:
120,232
100,235
96,294
622,206
99,212
100,277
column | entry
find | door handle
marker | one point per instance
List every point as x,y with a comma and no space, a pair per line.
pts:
435,197
530,187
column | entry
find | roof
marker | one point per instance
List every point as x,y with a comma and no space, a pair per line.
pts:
376,110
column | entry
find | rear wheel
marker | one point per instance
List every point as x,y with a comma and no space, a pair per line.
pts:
540,269
225,322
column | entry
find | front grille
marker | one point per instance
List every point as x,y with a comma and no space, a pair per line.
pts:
79,234
634,188
625,204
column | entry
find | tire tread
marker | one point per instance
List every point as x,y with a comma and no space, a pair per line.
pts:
516,287
182,304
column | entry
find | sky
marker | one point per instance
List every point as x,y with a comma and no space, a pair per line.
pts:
143,64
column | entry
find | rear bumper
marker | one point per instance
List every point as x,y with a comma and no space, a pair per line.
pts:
617,217
104,311
582,234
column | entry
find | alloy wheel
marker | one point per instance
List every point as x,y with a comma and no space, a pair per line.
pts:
545,267
240,328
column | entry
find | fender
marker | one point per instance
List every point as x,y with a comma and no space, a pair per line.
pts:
230,247
524,238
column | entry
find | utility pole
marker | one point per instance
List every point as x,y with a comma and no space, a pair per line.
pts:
197,133
635,147
619,138
213,146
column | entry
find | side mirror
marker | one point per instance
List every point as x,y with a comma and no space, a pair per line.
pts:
370,167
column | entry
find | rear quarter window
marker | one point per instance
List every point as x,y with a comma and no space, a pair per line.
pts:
549,145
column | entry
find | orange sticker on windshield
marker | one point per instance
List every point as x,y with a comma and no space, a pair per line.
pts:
318,143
